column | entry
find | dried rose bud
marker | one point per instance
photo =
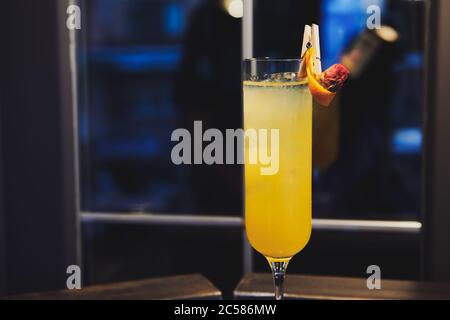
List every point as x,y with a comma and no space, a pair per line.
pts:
334,77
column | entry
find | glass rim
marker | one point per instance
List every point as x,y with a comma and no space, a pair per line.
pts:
271,59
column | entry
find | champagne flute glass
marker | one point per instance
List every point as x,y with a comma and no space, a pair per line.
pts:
277,200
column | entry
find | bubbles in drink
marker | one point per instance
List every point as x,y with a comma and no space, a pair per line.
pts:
283,77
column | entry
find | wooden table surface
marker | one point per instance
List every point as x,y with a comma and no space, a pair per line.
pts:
193,286
260,286
252,286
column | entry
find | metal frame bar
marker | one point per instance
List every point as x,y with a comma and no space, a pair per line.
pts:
161,219
73,50
247,52
238,222
69,89
247,30
436,258
3,278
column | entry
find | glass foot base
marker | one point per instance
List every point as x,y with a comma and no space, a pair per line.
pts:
278,266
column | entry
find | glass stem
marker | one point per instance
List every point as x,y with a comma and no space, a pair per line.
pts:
278,267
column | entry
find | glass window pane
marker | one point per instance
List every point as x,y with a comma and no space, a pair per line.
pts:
368,146
148,67
151,66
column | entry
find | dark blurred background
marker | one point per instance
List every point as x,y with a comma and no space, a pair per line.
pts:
153,66
146,67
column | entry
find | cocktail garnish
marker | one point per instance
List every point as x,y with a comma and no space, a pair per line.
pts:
334,77
323,85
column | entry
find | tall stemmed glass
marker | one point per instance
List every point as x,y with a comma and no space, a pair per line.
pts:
277,200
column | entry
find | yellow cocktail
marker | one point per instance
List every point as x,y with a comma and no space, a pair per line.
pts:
277,201
278,95
278,206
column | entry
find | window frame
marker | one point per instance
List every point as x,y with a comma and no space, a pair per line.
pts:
150,218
